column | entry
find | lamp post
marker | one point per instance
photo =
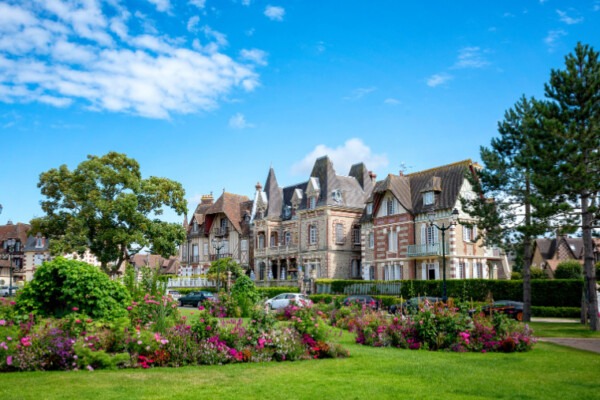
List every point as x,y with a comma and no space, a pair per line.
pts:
443,229
10,247
218,244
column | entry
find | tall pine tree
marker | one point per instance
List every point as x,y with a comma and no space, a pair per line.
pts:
570,171
510,212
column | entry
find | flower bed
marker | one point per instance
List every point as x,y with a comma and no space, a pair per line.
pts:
439,328
153,335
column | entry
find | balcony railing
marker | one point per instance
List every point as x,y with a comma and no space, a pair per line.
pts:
221,231
214,257
421,250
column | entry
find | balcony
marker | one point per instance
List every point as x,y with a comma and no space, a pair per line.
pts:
424,250
214,257
221,231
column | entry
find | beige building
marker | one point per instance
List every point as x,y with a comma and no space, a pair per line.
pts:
312,226
217,230
399,237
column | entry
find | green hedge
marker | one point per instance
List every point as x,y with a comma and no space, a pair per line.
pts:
544,292
556,312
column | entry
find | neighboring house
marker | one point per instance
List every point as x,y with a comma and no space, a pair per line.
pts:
165,265
548,253
217,230
15,261
36,251
398,241
313,224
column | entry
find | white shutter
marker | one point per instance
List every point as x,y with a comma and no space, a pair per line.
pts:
424,271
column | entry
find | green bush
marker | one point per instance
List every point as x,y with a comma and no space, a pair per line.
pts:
62,286
538,273
515,275
569,269
598,271
245,294
556,312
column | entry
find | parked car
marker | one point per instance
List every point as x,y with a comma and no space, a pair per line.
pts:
362,299
411,305
514,309
175,295
196,298
4,290
285,299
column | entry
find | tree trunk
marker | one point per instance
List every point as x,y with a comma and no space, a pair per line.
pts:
527,254
587,218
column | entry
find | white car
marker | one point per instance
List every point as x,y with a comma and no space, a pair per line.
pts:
284,299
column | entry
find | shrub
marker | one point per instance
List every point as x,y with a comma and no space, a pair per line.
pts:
538,273
556,312
245,294
516,276
569,269
64,286
268,292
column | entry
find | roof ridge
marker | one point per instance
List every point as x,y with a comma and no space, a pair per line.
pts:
466,162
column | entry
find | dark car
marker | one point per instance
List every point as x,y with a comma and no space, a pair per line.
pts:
514,309
411,306
362,299
196,298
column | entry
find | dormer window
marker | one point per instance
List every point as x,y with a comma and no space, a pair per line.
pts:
195,226
336,196
312,203
38,242
370,208
428,198
391,206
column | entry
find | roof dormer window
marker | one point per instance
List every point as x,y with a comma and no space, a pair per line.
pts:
428,198
370,208
312,202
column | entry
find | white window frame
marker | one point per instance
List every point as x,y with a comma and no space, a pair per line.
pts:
312,234
428,198
339,233
391,206
393,241
312,202
205,249
371,240
370,208
244,245
287,238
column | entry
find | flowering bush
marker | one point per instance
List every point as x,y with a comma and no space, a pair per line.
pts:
443,328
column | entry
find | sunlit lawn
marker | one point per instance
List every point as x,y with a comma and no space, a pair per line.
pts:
562,329
547,372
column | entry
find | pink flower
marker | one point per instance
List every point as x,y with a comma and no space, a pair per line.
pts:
90,368
129,308
139,342
77,321
75,309
2,322
3,346
9,360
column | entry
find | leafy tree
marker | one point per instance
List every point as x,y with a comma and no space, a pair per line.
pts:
568,269
62,286
245,294
218,270
570,169
510,211
106,206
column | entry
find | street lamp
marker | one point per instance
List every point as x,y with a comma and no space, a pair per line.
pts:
443,229
218,244
10,247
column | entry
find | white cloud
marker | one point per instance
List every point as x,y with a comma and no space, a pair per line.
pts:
256,56
192,25
438,79
43,58
359,93
274,13
391,101
553,37
198,3
343,157
564,17
470,57
161,5
238,121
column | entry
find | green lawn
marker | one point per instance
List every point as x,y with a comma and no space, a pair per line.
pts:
562,329
547,372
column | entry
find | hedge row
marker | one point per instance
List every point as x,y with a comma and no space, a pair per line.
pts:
556,312
273,291
544,292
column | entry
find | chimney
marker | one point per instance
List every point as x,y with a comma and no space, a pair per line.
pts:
372,175
207,199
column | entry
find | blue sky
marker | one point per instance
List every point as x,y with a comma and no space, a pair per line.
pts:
212,93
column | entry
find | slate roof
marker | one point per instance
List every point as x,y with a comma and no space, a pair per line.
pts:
166,265
12,231
352,190
229,204
32,241
445,181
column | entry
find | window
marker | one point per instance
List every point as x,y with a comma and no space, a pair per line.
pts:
391,209
355,268
38,242
288,238
195,226
273,242
370,208
393,241
339,233
479,269
469,233
312,234
195,254
460,273
261,240
312,203
336,196
428,198
223,224
205,249
429,234
244,245
356,235
371,240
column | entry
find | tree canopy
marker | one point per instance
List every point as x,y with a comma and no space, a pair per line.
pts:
105,205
